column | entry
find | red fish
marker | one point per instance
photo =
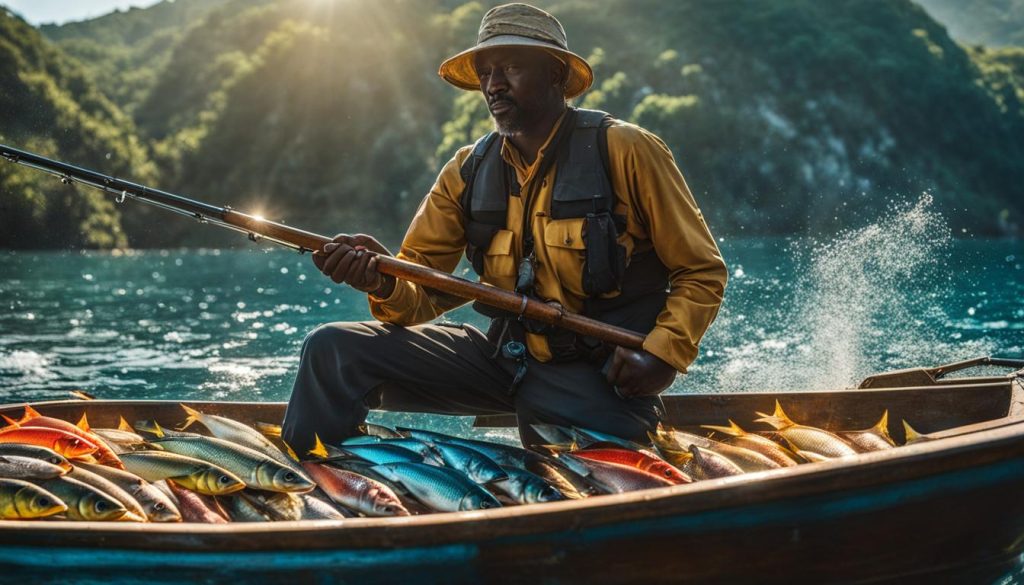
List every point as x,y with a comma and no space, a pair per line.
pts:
104,454
639,460
62,442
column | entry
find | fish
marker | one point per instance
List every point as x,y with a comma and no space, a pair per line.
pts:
636,459
134,511
354,491
679,441
803,438
710,465
619,478
440,488
241,509
119,440
314,508
64,443
84,502
254,468
156,505
424,449
522,487
189,472
22,500
738,437
477,466
276,506
195,507
238,433
379,453
379,431
19,467
875,438
585,437
555,434
32,418
36,452
81,395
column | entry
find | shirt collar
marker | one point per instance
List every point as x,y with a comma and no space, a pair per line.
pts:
512,156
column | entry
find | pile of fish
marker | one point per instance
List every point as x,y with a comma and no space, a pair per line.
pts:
53,469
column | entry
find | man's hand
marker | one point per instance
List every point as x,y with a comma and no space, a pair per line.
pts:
638,373
348,259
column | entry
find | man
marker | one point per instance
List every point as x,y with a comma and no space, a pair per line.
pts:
566,205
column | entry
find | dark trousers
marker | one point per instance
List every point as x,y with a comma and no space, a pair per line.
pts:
348,368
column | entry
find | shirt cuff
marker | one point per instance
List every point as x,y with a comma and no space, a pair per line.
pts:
669,348
391,309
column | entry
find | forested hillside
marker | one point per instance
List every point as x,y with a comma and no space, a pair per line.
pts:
787,116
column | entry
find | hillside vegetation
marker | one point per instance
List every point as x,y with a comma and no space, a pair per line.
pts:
787,116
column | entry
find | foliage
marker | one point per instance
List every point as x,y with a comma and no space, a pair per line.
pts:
986,22
786,116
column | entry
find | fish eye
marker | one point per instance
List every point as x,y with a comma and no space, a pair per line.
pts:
159,507
388,509
668,473
102,506
44,501
224,479
290,476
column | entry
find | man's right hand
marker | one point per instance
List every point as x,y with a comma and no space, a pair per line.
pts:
352,259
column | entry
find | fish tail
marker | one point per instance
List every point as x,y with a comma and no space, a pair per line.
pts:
193,416
150,426
82,395
732,430
30,413
268,429
882,427
83,423
911,435
318,450
778,419
11,422
122,425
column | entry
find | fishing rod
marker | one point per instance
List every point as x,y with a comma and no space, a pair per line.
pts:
259,229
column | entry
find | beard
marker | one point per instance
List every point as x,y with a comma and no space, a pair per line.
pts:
521,115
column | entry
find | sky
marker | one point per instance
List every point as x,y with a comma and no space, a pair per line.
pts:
61,11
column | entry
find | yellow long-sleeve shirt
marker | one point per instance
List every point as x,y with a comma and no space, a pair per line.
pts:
660,212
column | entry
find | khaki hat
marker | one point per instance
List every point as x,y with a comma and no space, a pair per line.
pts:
518,25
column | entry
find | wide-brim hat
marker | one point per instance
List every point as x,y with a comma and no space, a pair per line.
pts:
518,25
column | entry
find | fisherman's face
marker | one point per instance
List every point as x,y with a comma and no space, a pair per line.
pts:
521,85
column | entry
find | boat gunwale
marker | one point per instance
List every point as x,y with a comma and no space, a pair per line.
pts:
905,463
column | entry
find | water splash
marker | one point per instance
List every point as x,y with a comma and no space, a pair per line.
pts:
868,296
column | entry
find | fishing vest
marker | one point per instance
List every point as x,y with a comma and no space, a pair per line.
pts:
582,189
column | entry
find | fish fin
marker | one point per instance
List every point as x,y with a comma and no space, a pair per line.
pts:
778,419
122,425
732,430
268,429
82,395
149,426
882,427
11,421
386,471
193,416
30,413
912,436
318,450
83,423
291,452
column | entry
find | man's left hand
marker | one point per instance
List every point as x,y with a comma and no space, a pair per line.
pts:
638,373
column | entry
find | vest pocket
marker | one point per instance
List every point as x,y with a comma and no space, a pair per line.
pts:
567,249
498,260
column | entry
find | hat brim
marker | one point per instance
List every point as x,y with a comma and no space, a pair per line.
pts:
460,71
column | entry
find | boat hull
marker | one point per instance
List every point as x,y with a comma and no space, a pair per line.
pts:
948,509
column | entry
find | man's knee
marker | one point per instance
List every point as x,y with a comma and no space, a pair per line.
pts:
334,342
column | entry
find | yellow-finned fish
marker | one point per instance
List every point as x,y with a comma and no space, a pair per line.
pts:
738,437
804,439
188,472
254,468
913,436
239,433
875,438
157,506
83,501
667,439
21,500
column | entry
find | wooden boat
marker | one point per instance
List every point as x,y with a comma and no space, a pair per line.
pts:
947,510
